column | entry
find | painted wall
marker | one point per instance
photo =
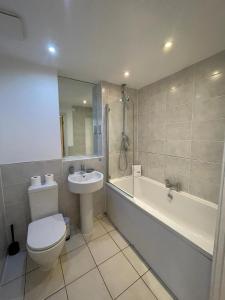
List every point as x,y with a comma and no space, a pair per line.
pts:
29,112
181,123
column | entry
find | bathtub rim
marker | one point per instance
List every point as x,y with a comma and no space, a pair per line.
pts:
193,197
191,243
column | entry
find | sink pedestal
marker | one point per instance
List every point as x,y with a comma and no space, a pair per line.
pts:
85,184
86,211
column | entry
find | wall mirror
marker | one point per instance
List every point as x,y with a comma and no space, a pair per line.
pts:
80,118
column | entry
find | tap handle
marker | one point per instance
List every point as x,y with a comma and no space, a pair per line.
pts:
167,183
71,169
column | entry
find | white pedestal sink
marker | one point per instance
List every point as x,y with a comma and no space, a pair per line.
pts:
85,184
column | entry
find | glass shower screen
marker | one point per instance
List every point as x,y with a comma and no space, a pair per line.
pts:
120,143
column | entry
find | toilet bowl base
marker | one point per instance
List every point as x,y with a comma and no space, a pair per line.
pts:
47,259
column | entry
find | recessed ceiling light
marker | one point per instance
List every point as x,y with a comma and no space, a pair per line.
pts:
85,101
126,74
52,49
216,74
168,45
173,89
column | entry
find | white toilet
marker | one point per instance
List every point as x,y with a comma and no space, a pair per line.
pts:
47,231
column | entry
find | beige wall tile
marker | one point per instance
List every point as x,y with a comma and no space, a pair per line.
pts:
156,167
207,151
181,113
189,130
209,130
178,131
209,172
209,109
179,148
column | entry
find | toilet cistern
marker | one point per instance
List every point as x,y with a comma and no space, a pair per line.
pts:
85,184
47,231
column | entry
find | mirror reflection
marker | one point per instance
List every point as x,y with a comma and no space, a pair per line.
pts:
76,116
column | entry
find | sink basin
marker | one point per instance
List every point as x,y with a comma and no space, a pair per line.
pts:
85,183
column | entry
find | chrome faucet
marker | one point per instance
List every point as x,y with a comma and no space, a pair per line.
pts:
82,167
173,186
71,169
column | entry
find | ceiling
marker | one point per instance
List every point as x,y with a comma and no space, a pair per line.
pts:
100,39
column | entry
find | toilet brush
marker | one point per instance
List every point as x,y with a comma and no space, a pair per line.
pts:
14,247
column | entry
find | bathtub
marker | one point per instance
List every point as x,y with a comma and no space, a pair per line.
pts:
175,237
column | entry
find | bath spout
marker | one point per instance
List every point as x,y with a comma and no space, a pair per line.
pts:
170,195
173,186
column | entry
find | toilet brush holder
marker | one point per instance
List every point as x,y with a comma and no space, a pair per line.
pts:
14,247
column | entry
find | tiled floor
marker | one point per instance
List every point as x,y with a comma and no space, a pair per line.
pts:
101,266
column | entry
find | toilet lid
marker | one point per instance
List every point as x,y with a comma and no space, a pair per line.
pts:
45,233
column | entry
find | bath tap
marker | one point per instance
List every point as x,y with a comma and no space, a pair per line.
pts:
170,195
173,186
82,168
71,169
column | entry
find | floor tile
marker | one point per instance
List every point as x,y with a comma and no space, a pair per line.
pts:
119,240
60,295
40,284
156,287
31,265
107,224
88,287
103,248
75,241
98,230
15,267
138,291
13,290
118,274
135,260
76,263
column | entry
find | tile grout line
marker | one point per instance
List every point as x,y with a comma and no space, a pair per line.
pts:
54,293
127,288
140,276
149,287
111,257
63,278
97,266
17,277
121,250
162,284
117,243
132,264
191,127
66,284
11,280
69,283
99,271
81,245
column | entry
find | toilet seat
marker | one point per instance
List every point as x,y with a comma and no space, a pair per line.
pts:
46,233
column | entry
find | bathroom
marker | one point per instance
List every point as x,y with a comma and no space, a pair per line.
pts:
112,126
